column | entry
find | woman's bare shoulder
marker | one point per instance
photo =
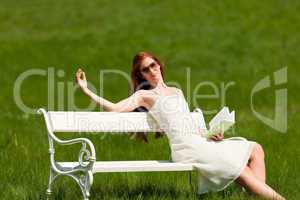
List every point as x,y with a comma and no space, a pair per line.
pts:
150,93
143,92
178,90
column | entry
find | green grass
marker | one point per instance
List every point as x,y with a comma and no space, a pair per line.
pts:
221,41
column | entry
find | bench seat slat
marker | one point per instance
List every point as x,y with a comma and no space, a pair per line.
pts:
113,122
134,166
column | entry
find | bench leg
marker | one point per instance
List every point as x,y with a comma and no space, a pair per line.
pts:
52,177
85,182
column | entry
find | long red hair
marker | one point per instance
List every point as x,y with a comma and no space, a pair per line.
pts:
138,82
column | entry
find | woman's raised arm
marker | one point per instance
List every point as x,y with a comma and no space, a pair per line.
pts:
126,105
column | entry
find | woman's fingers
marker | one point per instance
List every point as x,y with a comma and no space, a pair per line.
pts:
213,138
81,79
80,74
220,136
217,137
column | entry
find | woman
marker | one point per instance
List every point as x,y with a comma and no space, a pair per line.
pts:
219,161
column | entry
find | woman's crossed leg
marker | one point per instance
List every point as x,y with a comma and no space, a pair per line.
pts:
253,176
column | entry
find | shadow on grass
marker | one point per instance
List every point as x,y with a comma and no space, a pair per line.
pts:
151,191
67,189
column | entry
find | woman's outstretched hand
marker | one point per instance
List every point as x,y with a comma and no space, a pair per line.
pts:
81,79
217,137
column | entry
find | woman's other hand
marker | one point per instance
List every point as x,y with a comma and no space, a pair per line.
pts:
81,79
217,137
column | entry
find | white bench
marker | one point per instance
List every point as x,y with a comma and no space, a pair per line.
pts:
112,122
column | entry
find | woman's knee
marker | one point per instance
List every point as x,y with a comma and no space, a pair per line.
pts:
257,151
244,176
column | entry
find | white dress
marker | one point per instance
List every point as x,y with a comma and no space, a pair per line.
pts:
218,163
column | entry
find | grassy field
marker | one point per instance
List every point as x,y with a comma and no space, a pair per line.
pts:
219,41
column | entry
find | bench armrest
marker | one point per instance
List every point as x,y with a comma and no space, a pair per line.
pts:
86,157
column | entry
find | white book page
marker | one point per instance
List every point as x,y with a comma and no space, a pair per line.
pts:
222,115
221,122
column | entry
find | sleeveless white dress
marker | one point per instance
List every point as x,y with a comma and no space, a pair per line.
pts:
218,163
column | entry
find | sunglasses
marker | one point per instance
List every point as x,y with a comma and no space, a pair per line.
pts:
152,65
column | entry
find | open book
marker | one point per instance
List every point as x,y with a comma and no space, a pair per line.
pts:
220,123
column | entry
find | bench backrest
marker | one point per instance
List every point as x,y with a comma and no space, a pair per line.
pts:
109,121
